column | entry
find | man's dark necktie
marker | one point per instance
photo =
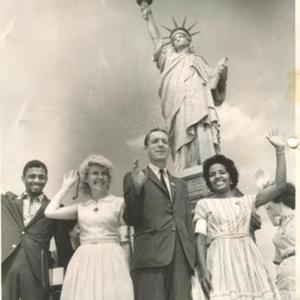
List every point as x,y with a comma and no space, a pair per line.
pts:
162,179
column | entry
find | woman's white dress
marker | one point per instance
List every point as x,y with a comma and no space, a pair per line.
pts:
237,268
98,269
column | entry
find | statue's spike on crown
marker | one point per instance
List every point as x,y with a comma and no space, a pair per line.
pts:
195,33
181,28
174,22
165,27
191,27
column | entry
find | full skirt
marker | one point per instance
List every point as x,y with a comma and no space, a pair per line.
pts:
239,272
98,272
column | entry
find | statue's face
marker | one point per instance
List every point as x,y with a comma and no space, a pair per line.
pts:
180,40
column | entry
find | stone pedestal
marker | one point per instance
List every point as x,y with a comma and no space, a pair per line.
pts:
197,188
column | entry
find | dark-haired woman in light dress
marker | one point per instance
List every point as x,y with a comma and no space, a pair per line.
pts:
231,267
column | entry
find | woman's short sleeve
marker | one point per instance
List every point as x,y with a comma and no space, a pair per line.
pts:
123,229
200,218
122,207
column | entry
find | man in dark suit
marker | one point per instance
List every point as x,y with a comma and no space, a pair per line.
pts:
25,233
157,206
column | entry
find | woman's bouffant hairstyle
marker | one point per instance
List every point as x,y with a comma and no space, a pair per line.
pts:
227,163
93,160
287,196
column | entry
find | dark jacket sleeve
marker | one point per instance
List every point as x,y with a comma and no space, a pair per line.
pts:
189,218
62,241
133,212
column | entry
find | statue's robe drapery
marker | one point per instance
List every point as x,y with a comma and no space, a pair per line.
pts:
189,92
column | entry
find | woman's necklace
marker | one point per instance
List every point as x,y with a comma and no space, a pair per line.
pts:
96,208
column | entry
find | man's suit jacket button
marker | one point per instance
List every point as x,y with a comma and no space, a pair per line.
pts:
174,228
22,232
14,246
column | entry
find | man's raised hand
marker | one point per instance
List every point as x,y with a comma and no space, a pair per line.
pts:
139,177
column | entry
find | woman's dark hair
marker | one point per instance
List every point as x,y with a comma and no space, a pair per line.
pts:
227,163
287,196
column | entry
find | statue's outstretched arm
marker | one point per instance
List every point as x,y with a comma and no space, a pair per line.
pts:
152,27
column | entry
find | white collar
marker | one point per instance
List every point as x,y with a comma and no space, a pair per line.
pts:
156,170
26,196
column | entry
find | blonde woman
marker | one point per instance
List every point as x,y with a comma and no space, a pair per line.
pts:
98,270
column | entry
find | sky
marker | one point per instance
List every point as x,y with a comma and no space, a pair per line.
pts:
77,78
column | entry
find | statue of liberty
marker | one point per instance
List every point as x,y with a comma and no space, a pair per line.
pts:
189,90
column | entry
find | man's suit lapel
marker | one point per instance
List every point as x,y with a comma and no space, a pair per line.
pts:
19,204
15,210
157,182
40,213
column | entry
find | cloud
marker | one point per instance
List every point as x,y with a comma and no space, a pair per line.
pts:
243,140
237,126
136,143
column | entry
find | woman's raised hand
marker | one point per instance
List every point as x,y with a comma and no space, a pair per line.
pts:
262,179
275,139
70,178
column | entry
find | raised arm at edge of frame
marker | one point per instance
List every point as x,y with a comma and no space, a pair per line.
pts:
269,193
151,25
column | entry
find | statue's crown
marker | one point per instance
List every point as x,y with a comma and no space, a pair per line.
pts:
180,28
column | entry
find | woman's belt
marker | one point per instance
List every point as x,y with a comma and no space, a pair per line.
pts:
230,236
100,241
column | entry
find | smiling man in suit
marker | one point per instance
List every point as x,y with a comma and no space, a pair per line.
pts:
157,206
25,233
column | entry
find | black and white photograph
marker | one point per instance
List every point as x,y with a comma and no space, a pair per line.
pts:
149,149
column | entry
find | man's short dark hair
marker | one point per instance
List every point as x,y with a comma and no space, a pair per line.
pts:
146,140
287,196
34,164
227,163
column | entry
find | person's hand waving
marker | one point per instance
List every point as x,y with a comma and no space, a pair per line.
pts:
139,177
276,140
